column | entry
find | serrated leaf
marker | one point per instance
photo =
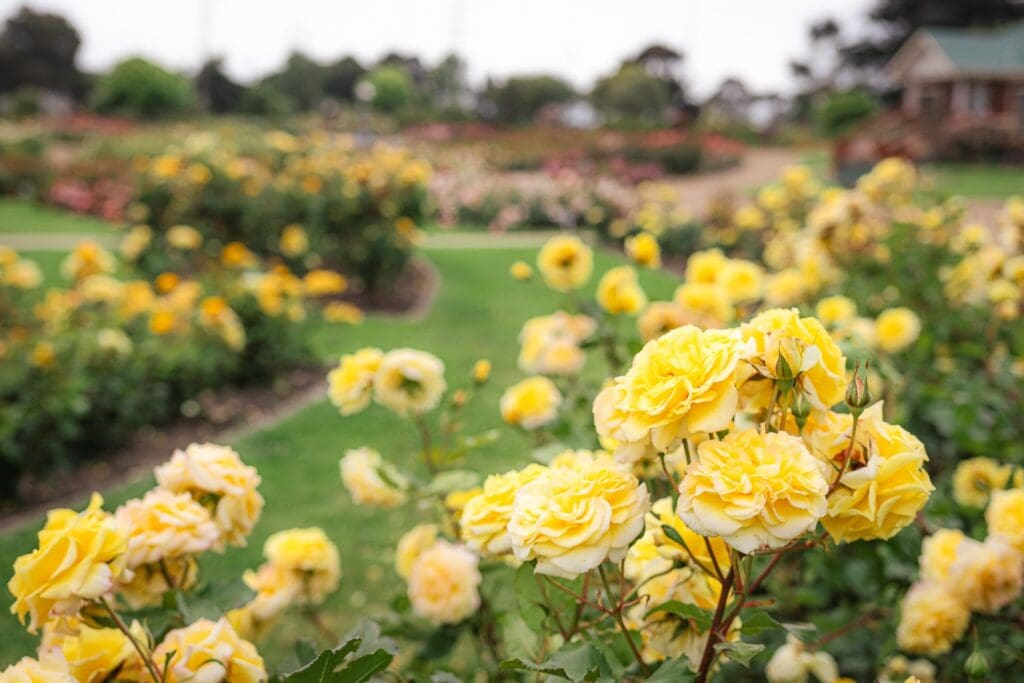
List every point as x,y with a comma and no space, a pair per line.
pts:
305,651
673,671
529,597
700,617
759,622
739,651
579,663
322,668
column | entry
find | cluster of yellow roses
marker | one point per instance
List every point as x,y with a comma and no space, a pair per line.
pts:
90,564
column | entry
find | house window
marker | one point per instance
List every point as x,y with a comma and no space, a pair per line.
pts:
979,99
931,101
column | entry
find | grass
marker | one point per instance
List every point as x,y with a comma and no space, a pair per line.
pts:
983,181
477,313
28,218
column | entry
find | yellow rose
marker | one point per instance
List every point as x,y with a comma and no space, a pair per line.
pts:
409,381
94,654
681,384
342,312
209,651
792,663
204,469
350,385
443,584
938,552
834,310
986,576
521,270
411,545
565,262
88,258
572,520
184,237
149,582
644,250
24,274
662,316
707,299
483,524
49,668
931,620
741,280
696,552
310,556
1005,517
704,266
360,473
619,291
455,501
896,329
165,525
481,370
786,287
550,343
294,242
237,255
814,359
975,478
531,403
79,558
884,487
277,587
322,282
754,490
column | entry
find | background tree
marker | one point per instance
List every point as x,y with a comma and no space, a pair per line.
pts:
841,111
446,84
216,91
665,64
138,88
340,78
519,99
301,81
632,96
38,50
392,88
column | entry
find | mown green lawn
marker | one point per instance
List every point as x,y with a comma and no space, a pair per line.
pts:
25,217
986,181
478,312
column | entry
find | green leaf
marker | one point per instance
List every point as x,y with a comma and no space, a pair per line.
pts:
700,617
520,641
759,622
577,663
738,651
453,480
364,653
673,671
673,534
323,668
529,597
305,651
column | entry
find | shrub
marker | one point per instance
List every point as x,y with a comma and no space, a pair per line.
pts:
141,89
844,110
392,88
631,97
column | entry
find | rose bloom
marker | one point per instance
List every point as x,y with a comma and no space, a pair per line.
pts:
741,280
550,343
665,634
660,317
886,483
644,250
975,478
619,292
704,266
483,524
696,552
88,258
135,242
409,381
360,473
521,270
481,371
932,619
681,384
207,468
456,500
322,282
565,262
531,403
184,237
444,582
311,556
342,312
165,525
276,588
1005,517
813,357
707,299
49,668
350,385
294,242
411,545
986,576
792,663
786,287
93,654
572,520
896,329
79,558
209,652
938,552
754,490
834,310
149,582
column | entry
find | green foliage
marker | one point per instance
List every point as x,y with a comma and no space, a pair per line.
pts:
631,97
392,88
38,50
141,89
842,111
520,99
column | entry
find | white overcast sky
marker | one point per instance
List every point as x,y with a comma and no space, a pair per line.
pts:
578,39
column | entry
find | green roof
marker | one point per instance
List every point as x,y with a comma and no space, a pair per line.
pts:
998,50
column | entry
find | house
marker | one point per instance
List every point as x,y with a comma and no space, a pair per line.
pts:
963,77
962,98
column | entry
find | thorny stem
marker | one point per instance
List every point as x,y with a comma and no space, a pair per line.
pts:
147,659
707,658
622,622
428,451
673,487
714,558
846,457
